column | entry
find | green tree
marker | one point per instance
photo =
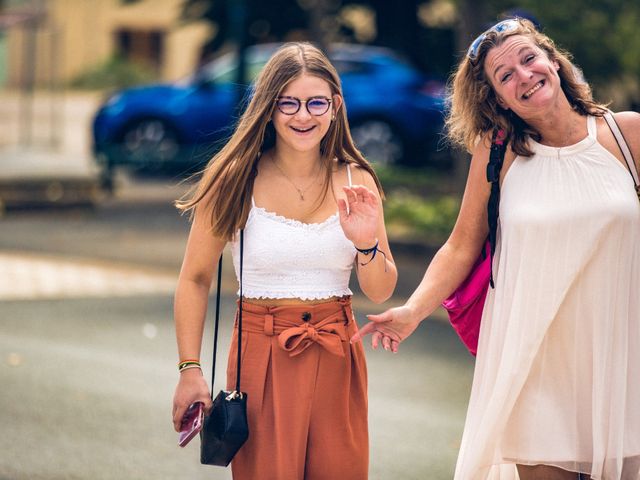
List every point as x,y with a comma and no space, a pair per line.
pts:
396,26
603,36
272,21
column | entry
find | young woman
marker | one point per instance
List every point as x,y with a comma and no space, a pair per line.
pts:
555,393
310,207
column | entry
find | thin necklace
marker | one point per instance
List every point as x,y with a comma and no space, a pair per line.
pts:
300,191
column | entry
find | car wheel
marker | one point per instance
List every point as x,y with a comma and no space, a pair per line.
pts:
379,141
149,144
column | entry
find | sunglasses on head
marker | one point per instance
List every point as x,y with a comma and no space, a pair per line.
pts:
500,27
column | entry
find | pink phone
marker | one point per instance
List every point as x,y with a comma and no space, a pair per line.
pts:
191,423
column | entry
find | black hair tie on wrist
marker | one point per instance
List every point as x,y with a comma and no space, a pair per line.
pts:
373,250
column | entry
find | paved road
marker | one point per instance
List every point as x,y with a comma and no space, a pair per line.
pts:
87,353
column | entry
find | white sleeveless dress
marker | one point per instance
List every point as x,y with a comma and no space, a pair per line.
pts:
557,377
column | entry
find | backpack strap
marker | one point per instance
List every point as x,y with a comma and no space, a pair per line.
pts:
496,158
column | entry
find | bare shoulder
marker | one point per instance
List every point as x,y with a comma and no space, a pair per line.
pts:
629,123
480,154
359,175
628,119
480,160
365,176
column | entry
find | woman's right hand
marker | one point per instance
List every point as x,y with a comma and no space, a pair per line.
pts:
191,388
389,328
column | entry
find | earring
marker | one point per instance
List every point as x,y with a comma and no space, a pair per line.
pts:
333,117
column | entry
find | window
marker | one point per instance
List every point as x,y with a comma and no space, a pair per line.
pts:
140,46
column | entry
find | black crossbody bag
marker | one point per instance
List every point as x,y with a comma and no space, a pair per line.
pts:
225,429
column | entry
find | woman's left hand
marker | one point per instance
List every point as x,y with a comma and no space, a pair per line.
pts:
389,328
359,215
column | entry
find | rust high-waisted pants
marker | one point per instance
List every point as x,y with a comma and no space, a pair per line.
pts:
306,391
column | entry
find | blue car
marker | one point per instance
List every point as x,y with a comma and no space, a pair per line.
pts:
395,113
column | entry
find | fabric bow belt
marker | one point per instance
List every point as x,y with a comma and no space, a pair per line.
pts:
328,333
299,327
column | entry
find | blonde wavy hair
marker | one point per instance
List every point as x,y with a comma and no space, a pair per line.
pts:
473,107
226,184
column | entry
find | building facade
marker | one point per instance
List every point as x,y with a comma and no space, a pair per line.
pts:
47,41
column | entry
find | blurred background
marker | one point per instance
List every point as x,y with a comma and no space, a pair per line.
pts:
107,107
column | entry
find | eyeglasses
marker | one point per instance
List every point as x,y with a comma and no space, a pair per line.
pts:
316,106
504,26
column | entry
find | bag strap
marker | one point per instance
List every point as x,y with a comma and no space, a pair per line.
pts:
624,148
496,158
215,325
217,319
240,315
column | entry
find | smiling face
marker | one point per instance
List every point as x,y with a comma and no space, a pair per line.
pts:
302,132
523,77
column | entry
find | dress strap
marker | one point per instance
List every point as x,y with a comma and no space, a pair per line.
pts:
592,128
253,201
349,173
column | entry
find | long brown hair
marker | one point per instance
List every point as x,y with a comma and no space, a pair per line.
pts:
473,106
227,182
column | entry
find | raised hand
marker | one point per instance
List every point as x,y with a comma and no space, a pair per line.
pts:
389,328
359,215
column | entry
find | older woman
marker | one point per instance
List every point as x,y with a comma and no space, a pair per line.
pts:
555,392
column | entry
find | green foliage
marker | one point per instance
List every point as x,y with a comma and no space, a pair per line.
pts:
411,217
115,73
414,218
422,182
603,36
421,204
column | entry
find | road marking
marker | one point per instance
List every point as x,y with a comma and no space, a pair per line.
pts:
26,276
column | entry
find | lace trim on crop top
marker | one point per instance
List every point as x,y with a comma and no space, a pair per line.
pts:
287,258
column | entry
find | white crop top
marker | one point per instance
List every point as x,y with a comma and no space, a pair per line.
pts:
286,258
